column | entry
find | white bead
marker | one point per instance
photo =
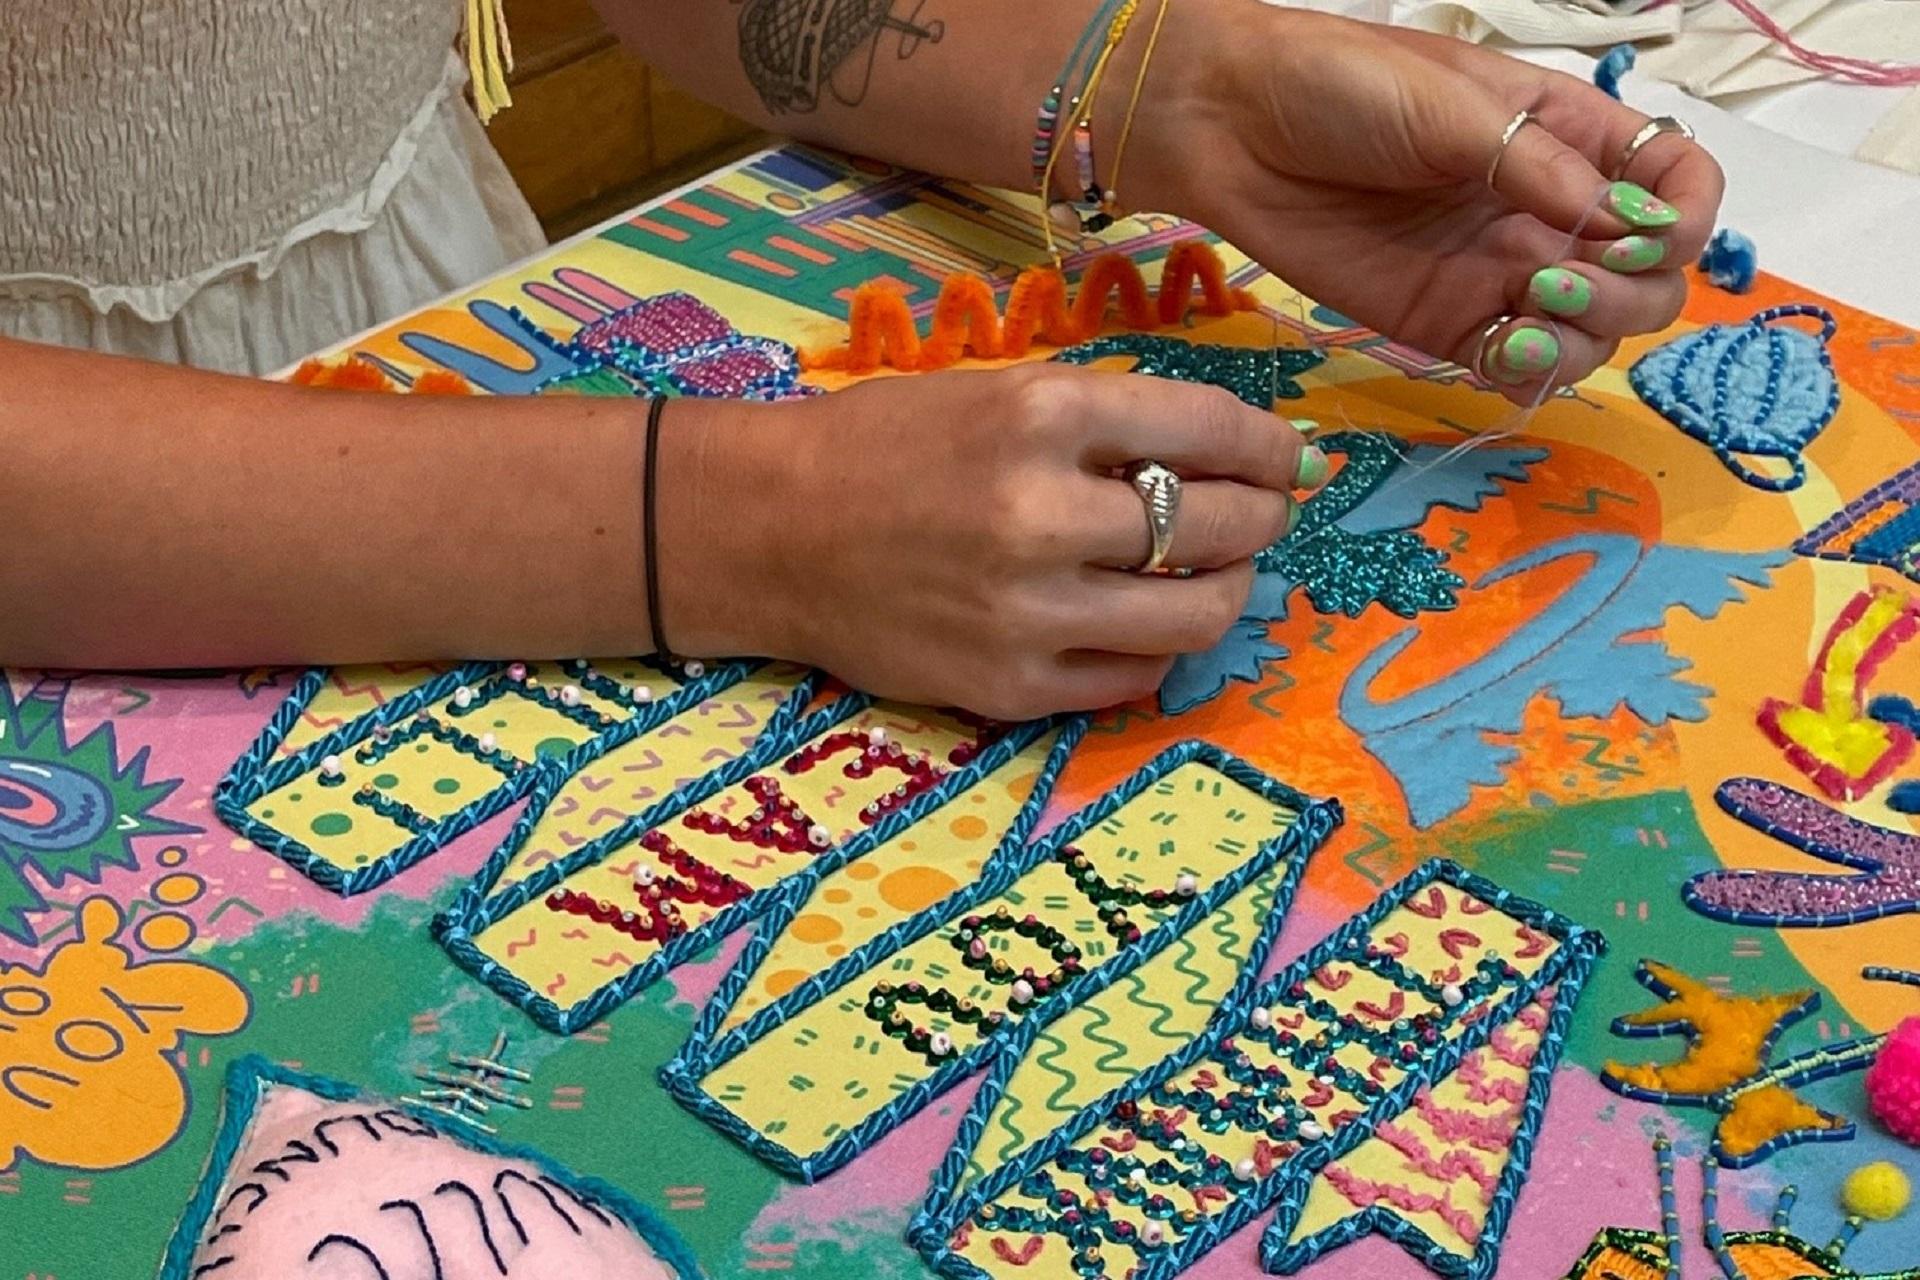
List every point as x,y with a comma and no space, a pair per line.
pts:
1022,991
1138,1175
330,766
645,877
1452,996
1311,1131
643,695
695,670
569,695
1187,885
877,736
1152,1233
1245,1169
488,742
941,1044
463,697
818,836
1323,1079
1261,1018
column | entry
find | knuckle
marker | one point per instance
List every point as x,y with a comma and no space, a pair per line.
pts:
1040,398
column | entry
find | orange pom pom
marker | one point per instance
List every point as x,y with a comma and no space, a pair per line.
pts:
350,374
441,382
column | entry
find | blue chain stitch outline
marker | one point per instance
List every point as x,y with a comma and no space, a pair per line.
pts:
1569,968
478,908
256,773
246,1081
703,1052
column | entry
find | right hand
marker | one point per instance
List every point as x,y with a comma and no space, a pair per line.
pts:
964,539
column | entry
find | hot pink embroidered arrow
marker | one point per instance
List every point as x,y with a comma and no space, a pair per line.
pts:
1432,907
1828,736
1456,941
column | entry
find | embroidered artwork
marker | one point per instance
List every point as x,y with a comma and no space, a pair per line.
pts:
1762,389
1583,650
1828,735
435,757
308,1173
882,330
1880,527
670,344
1330,1090
70,807
626,881
816,1077
1728,1066
90,1079
665,873
1355,546
1885,863
1776,1252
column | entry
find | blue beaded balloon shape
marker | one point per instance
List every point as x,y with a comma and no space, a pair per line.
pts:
1759,389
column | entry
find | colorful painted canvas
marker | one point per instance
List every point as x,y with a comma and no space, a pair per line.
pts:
1539,806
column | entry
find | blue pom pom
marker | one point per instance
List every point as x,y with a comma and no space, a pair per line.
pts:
1616,63
1905,797
1730,261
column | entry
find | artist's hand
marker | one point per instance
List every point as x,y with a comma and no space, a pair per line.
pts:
1352,159
964,538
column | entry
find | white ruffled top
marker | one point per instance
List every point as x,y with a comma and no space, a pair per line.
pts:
236,183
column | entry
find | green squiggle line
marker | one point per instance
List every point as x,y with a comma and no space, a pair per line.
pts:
1106,1063
1050,1061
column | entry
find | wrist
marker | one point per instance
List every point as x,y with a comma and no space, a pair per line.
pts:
1189,100
722,492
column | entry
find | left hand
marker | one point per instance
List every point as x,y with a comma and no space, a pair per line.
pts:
1352,159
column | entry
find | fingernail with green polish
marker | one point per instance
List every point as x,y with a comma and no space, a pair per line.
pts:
1293,519
1560,292
1528,351
1639,207
1313,468
1633,253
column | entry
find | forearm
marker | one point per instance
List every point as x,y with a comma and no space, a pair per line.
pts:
948,86
161,517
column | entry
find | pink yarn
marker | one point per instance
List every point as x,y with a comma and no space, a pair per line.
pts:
1858,70
1893,1082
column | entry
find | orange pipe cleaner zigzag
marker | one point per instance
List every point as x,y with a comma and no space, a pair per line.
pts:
881,331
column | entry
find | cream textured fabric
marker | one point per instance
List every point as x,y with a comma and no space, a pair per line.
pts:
234,183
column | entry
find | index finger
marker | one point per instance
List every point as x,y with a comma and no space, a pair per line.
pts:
1199,431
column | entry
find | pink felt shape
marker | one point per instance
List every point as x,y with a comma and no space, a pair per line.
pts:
359,1191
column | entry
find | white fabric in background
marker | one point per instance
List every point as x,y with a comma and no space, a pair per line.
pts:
1829,222
1537,22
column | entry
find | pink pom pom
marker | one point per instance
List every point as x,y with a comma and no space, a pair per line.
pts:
1893,1082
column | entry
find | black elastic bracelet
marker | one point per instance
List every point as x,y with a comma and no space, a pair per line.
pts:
650,547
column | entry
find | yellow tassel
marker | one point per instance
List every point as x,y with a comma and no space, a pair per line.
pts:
489,56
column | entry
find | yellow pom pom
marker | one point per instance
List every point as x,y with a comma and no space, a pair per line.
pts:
1878,1191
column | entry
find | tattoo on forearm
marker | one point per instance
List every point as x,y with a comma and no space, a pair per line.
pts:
795,51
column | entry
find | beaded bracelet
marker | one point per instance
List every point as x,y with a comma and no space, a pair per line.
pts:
1084,213
1049,117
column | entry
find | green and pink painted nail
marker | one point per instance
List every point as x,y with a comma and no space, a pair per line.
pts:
1560,292
1527,351
1639,207
1633,253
